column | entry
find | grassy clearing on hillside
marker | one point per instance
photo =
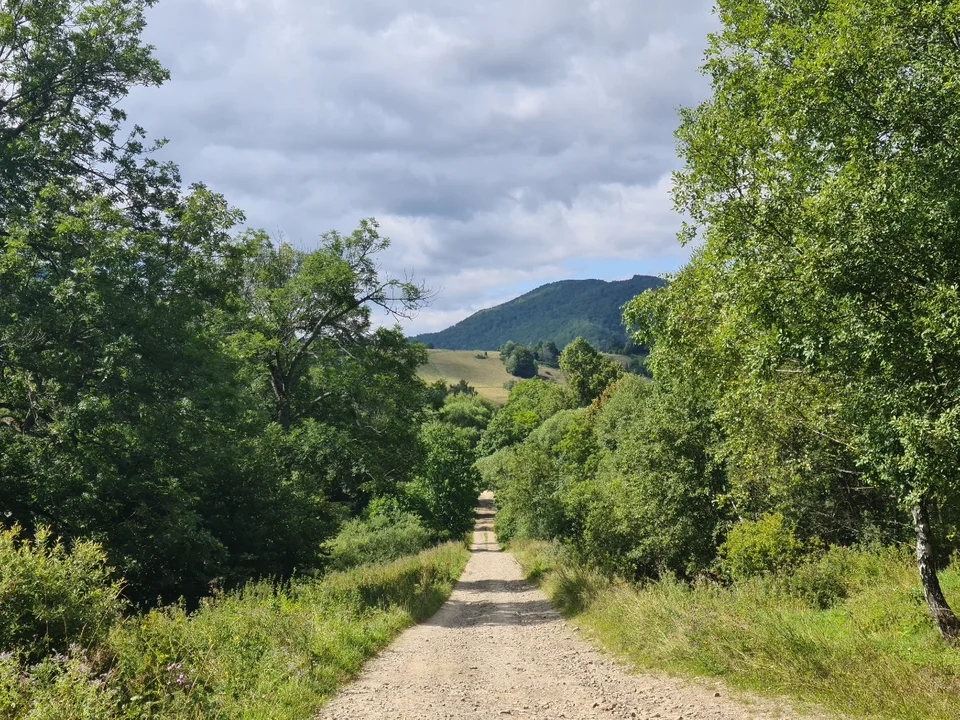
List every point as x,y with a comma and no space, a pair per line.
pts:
487,375
261,653
874,653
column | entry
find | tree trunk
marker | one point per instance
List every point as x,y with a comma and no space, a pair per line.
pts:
943,616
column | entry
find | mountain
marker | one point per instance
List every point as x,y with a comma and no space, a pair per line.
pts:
559,311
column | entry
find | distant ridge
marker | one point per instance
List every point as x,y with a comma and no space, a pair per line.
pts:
559,311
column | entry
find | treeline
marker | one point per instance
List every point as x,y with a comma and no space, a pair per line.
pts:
205,402
524,361
806,361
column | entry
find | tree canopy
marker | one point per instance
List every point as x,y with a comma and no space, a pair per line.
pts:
821,186
206,403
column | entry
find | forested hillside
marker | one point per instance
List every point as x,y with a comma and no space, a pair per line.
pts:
558,312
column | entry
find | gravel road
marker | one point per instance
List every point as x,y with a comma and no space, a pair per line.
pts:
497,649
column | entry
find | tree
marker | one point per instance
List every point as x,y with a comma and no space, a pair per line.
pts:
521,364
548,353
462,387
444,489
588,372
506,350
529,404
821,184
64,68
307,306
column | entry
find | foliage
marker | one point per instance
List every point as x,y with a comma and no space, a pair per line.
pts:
819,185
263,651
520,362
555,313
530,482
626,483
52,598
208,405
471,413
65,67
379,538
547,353
588,372
305,308
445,486
462,387
530,403
757,547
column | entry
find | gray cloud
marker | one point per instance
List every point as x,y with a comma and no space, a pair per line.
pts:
497,142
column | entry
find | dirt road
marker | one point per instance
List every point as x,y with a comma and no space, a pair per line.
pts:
497,649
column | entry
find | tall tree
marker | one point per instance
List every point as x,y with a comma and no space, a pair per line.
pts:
821,181
589,373
64,66
305,305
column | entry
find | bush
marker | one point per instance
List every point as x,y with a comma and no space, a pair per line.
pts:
51,597
377,539
269,652
759,547
59,686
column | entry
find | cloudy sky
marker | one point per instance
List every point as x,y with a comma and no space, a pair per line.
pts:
501,144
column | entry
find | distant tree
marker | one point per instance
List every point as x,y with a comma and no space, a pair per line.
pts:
436,393
548,353
521,363
506,350
462,388
589,373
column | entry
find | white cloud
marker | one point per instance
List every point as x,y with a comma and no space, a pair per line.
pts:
497,142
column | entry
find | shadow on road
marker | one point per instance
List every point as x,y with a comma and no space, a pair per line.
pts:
491,601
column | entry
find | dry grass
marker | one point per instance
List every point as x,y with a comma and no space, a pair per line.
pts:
485,374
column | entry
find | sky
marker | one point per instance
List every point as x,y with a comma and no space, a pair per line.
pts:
501,145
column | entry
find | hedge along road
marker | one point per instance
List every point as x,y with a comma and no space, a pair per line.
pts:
498,649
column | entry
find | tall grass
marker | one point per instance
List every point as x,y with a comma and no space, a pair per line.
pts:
262,652
869,650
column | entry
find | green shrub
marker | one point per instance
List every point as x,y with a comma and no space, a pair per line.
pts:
278,653
52,597
759,547
377,539
58,687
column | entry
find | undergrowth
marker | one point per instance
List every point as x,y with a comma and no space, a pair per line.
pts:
848,632
263,652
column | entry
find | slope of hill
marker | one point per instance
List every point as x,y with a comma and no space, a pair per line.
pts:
560,311
487,375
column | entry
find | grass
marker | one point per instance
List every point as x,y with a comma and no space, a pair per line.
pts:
265,652
872,653
487,375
